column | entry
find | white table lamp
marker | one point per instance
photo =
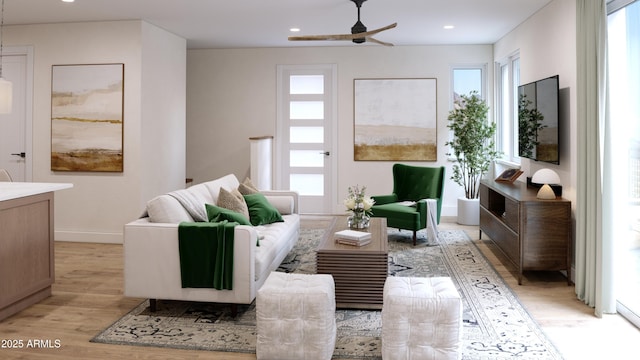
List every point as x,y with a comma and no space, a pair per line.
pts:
546,177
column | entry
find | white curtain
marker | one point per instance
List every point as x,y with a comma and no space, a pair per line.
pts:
594,244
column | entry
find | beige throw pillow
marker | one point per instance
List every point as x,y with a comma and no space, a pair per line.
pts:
247,187
246,190
233,201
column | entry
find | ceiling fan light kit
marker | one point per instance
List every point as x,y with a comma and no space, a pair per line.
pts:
359,33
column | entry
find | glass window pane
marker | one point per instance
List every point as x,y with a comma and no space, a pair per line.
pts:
514,112
306,110
306,158
307,184
624,90
306,134
306,84
504,125
467,80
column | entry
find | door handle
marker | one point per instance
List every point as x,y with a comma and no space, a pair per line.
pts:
22,154
325,153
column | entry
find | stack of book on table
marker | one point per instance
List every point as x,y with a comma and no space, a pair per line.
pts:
352,237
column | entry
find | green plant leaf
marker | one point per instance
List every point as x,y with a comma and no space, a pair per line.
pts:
473,143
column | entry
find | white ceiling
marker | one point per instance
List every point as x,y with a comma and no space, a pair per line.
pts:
266,23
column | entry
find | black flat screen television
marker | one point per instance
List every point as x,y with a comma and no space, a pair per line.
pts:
538,132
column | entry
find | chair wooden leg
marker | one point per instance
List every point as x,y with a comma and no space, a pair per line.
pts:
153,305
415,237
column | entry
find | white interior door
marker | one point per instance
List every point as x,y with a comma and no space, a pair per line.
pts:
15,146
304,146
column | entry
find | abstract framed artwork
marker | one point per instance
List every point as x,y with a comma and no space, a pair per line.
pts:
87,103
395,119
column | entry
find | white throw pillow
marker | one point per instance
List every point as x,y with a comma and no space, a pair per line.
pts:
166,209
284,204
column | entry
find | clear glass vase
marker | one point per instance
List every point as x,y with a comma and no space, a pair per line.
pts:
358,220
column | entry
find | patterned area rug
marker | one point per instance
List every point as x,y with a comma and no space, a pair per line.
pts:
496,326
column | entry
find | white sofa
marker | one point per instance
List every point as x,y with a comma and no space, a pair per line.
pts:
151,255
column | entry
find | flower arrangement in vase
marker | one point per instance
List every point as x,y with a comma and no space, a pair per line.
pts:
359,205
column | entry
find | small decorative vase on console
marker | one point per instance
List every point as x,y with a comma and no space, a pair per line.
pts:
358,220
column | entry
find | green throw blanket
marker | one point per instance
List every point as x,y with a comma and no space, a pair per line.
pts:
206,254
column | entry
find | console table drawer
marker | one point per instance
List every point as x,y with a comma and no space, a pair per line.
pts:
501,235
512,214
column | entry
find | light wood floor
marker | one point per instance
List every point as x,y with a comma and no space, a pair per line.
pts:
87,297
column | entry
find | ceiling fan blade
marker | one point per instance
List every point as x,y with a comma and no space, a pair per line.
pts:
321,37
375,31
370,39
342,36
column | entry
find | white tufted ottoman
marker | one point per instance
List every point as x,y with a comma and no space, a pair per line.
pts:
295,316
421,319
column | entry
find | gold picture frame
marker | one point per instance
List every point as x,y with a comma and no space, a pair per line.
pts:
395,119
87,105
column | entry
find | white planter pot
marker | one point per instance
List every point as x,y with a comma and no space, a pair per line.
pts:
468,211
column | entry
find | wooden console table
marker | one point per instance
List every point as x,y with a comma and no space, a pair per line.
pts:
359,272
26,244
533,234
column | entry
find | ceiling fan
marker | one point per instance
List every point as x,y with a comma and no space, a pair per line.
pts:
359,33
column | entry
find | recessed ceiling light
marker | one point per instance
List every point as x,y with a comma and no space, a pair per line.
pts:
448,27
68,0
294,29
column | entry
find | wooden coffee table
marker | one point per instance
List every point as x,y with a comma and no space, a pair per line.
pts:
359,272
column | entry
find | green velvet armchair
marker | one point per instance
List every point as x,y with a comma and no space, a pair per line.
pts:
410,184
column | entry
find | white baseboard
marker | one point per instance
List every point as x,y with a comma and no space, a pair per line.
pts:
449,211
89,237
448,219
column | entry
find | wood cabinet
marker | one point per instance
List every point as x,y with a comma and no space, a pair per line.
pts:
26,244
533,234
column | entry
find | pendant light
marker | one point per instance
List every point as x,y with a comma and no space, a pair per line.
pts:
6,87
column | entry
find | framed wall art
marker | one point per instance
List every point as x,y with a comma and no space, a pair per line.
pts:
87,117
395,119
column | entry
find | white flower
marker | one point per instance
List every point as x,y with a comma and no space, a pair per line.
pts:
356,200
368,203
350,203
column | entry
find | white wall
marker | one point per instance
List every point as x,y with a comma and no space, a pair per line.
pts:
547,45
231,96
163,139
99,204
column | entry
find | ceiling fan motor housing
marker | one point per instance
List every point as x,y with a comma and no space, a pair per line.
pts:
358,27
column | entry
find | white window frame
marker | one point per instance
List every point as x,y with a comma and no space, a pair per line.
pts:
483,92
506,115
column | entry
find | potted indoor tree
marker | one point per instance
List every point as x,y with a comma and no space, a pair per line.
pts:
473,147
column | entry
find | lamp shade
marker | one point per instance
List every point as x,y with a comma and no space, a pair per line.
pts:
6,96
546,177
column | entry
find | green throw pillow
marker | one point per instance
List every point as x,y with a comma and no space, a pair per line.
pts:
261,212
216,214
